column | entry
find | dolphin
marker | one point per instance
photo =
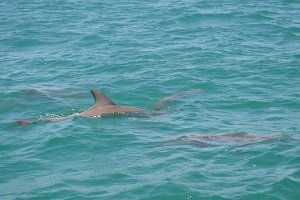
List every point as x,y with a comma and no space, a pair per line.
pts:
204,140
103,107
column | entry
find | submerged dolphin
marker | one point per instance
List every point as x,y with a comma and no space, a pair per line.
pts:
103,106
204,140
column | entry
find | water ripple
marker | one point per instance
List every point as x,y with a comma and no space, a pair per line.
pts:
244,55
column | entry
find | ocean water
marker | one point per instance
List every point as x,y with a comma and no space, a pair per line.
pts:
243,55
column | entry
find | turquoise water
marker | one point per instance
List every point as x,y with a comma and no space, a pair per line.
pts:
245,56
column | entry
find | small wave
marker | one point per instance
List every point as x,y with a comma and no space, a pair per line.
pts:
287,188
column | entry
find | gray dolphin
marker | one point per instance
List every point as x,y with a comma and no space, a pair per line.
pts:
103,106
205,140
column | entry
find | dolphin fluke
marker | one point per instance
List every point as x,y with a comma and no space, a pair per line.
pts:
162,104
23,122
101,99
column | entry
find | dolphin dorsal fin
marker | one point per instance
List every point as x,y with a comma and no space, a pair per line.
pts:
101,99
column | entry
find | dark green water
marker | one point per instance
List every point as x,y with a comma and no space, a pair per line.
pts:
245,56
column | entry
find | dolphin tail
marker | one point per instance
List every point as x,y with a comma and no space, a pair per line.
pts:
23,122
163,103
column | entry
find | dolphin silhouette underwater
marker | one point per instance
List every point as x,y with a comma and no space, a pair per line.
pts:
103,107
212,140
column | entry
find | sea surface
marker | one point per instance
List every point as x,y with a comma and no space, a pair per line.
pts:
237,139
